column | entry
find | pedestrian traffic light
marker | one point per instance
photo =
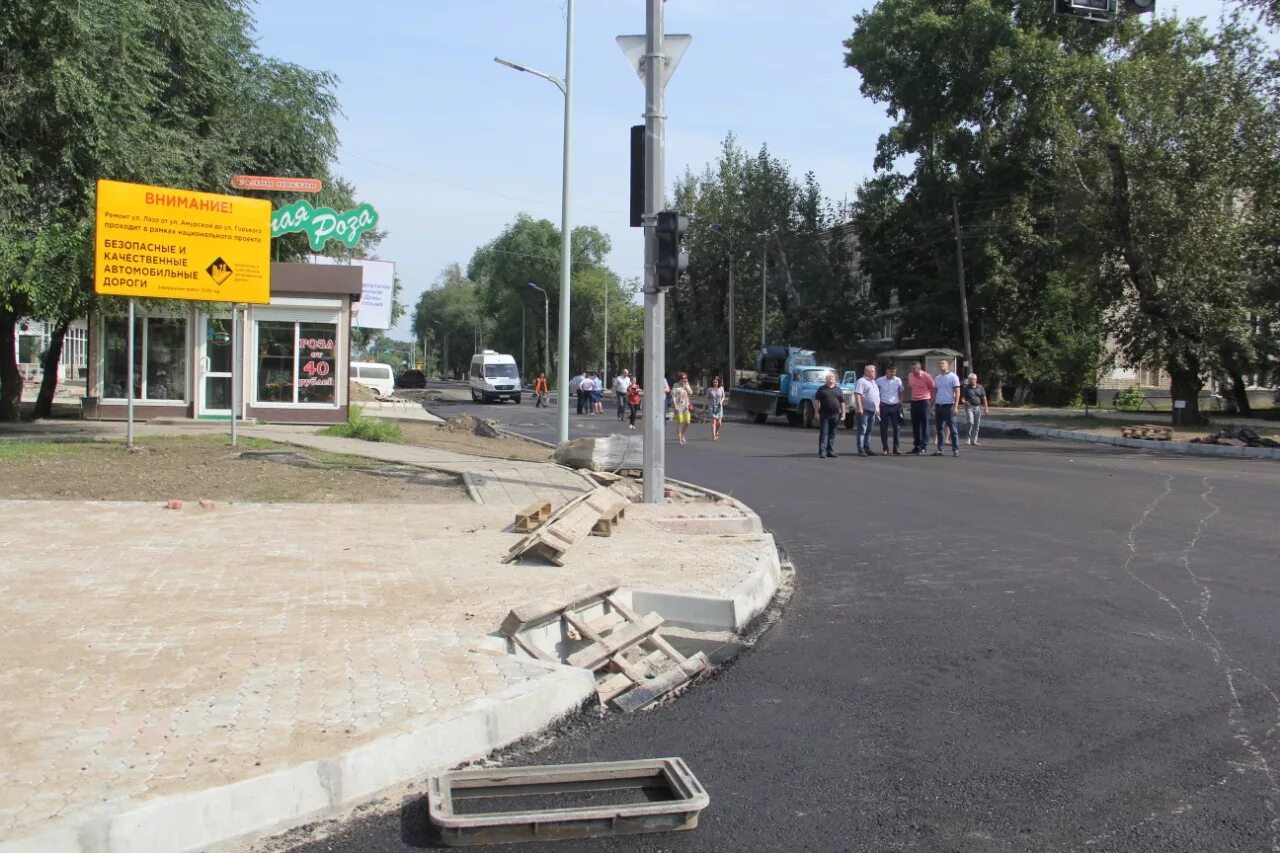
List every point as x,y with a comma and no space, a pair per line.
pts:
672,260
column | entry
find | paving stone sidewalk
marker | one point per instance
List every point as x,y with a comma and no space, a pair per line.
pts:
153,654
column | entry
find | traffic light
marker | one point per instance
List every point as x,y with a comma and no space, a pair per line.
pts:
672,260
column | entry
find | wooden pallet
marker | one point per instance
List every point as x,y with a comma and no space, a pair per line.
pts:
654,667
567,525
610,518
1148,431
533,516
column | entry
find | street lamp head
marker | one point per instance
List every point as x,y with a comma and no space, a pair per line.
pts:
535,287
717,227
509,63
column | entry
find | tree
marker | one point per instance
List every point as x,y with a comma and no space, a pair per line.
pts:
137,90
771,227
449,310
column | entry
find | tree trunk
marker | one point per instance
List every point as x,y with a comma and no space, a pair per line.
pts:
49,382
10,378
1239,394
1185,384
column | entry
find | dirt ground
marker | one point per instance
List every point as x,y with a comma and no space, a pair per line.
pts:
504,447
203,467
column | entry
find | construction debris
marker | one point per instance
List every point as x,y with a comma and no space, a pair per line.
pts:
611,453
669,798
469,425
1148,431
1237,436
635,666
576,519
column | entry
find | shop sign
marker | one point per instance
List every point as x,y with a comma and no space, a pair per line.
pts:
272,184
165,243
324,224
378,279
318,369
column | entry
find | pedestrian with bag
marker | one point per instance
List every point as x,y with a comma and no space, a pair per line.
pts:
946,393
920,384
975,406
866,396
829,402
715,407
890,408
682,405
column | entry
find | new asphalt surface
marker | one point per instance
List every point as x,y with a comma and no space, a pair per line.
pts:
1038,646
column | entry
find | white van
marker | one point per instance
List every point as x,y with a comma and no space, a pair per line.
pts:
380,377
494,376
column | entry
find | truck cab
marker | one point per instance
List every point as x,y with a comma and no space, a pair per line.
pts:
784,384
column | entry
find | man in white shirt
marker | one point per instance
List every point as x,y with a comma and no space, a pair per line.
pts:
866,396
890,408
946,390
621,383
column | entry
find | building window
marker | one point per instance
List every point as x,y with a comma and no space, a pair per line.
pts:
159,358
297,362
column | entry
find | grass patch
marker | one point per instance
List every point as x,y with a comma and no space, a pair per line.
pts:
365,429
21,451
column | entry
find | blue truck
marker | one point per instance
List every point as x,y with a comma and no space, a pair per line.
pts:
785,381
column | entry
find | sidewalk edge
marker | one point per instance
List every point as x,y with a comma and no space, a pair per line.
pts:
1181,448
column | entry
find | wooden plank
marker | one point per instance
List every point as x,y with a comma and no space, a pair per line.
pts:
544,610
653,689
596,655
657,641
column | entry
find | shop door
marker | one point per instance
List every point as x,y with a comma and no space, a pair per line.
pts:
214,382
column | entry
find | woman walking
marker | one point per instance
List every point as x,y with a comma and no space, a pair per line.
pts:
715,407
681,405
633,401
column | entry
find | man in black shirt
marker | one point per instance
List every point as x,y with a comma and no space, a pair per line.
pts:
829,402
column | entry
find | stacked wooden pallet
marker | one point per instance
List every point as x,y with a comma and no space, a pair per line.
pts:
552,534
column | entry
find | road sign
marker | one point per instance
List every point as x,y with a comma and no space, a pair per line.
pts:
633,48
266,183
165,243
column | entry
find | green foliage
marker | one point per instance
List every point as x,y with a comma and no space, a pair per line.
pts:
765,216
1130,399
1109,181
365,429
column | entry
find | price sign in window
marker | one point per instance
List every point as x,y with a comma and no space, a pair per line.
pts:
317,376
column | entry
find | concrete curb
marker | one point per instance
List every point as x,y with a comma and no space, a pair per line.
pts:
1176,447
317,789
730,612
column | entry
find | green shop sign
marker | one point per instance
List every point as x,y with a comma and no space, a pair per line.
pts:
322,224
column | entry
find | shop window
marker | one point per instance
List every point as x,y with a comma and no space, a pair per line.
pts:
297,362
159,358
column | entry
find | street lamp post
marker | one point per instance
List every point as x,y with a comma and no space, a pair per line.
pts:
717,228
546,329
565,85
764,286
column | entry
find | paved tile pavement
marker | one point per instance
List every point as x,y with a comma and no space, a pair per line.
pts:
150,652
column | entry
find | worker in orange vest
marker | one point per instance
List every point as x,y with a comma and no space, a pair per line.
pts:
540,391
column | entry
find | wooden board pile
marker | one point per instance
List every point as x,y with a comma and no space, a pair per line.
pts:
551,535
634,665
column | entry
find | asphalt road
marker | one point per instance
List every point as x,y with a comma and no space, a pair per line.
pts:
1039,646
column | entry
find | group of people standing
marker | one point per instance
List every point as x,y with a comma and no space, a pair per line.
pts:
880,398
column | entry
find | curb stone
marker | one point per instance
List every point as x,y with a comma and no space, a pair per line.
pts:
1176,447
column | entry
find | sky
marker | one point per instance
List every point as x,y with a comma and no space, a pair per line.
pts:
449,146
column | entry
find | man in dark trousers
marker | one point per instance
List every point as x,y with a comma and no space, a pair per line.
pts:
920,385
829,401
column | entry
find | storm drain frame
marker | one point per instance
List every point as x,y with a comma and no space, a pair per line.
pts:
671,775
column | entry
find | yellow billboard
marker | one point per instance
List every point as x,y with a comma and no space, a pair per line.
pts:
158,242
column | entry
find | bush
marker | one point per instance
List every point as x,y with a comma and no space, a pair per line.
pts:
1130,399
366,429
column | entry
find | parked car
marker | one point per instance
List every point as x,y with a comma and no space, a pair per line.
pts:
376,375
494,377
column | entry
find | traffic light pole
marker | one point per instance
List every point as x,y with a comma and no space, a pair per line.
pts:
655,368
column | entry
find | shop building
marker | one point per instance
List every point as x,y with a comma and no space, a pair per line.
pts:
295,354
